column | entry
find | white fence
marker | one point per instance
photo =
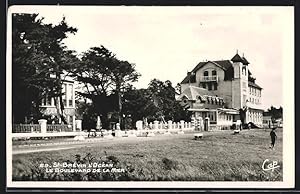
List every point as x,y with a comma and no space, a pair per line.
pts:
26,128
59,128
45,130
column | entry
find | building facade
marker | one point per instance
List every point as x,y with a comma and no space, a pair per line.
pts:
49,108
225,89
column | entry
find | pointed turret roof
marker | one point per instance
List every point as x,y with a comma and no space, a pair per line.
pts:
245,62
237,58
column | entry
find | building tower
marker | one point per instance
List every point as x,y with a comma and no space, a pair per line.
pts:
239,82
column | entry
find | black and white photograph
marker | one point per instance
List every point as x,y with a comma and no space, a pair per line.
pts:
150,96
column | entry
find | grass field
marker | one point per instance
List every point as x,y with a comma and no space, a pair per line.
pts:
219,156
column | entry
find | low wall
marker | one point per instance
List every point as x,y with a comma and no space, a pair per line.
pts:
55,134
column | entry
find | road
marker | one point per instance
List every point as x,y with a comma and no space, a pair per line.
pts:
88,142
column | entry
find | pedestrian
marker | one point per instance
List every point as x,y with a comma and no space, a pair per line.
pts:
273,137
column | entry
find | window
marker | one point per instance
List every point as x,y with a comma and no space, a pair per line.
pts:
70,95
209,86
244,71
244,85
214,72
205,73
215,86
48,103
64,90
244,99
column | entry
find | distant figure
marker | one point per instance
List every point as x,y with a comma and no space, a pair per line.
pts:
273,137
269,125
239,125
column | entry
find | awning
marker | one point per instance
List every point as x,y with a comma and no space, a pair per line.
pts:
201,110
229,111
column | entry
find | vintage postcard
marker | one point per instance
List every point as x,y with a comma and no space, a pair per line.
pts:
150,97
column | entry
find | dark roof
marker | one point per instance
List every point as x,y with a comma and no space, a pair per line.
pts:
254,85
245,62
226,65
190,77
186,79
237,58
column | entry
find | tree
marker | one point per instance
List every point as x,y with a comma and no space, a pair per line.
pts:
157,102
178,88
25,93
87,112
163,95
122,75
38,52
104,78
139,105
274,112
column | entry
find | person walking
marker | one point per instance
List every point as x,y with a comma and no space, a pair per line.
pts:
273,137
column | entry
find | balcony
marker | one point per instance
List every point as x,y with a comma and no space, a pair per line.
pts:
213,78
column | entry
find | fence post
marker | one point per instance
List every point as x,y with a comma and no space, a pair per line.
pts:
151,125
155,124
43,124
170,124
139,125
78,124
182,124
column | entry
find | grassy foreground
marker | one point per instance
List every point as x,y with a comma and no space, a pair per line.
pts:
219,156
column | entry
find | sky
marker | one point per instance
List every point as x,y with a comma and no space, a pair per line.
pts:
166,42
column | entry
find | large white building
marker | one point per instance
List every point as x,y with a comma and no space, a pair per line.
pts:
49,108
220,90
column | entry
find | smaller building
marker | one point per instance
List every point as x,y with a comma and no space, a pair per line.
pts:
267,121
203,103
279,122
